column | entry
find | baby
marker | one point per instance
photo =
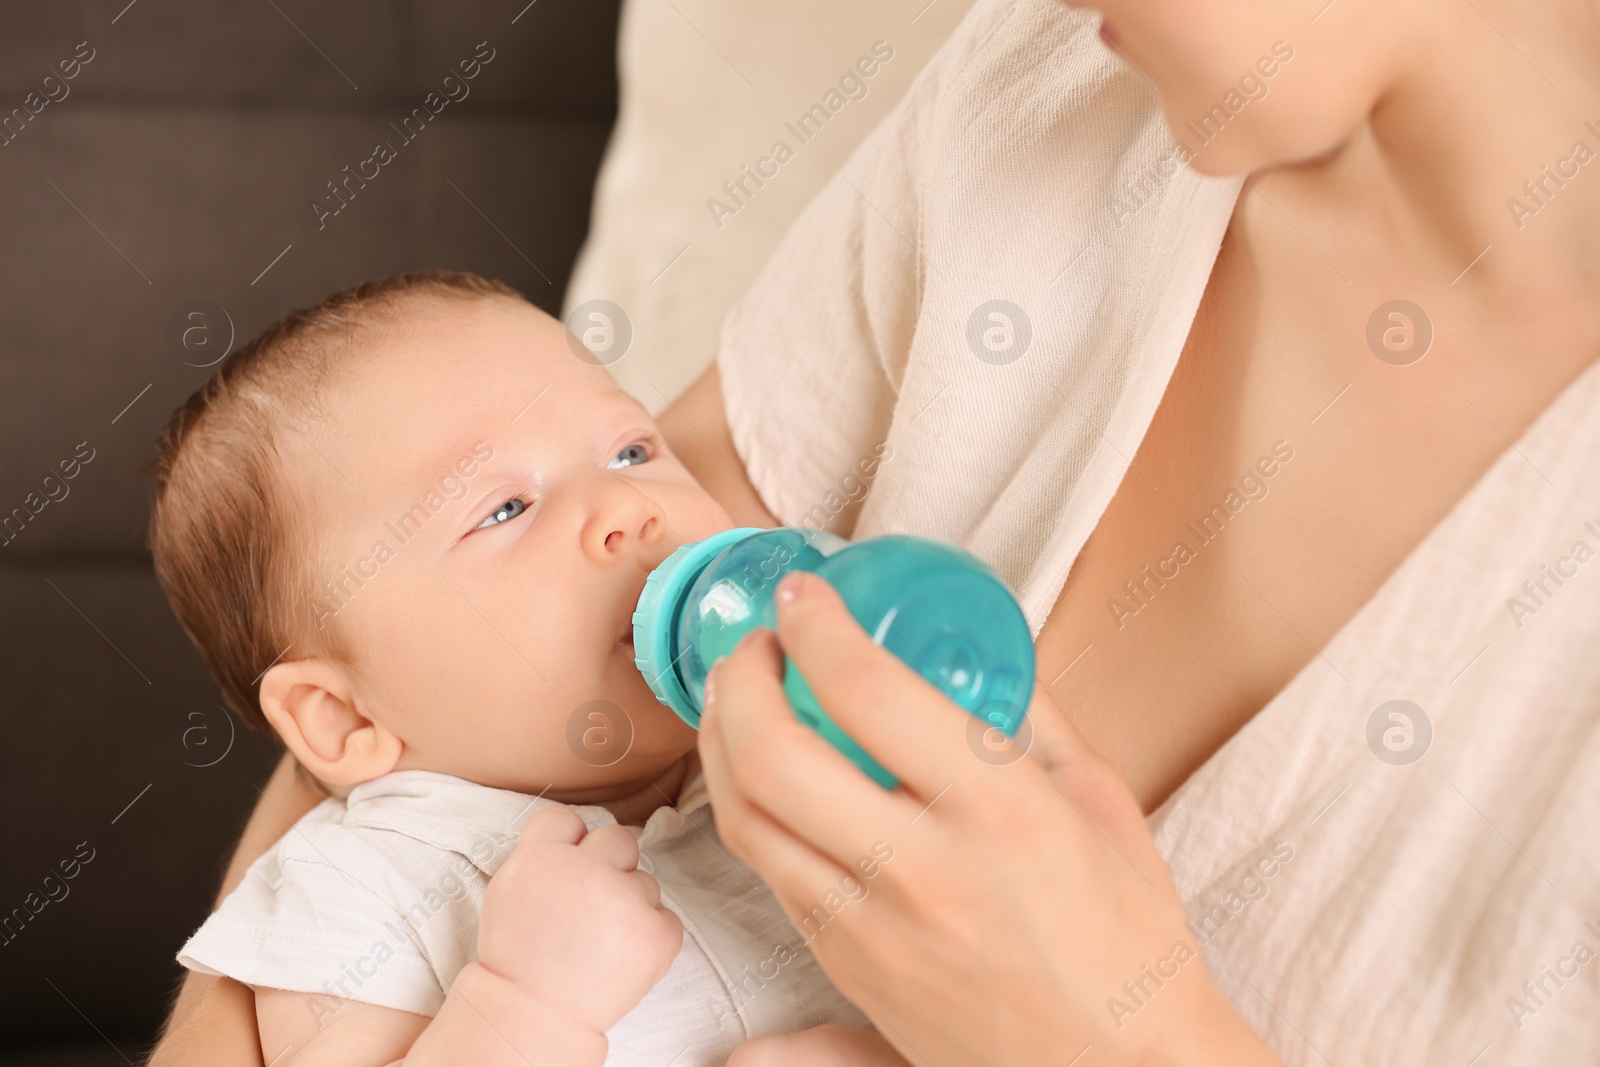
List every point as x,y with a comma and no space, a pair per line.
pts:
407,529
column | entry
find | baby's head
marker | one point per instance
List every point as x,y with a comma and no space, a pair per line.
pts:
407,529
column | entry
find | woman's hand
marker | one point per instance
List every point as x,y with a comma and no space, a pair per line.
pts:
995,908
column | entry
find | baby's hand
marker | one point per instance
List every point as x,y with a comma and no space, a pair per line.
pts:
572,920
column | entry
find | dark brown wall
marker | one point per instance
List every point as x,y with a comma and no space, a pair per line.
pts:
184,157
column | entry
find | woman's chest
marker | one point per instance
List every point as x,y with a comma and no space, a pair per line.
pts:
1289,469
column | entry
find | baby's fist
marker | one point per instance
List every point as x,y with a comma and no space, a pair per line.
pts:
571,919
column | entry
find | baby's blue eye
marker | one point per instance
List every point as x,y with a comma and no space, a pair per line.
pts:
504,513
631,456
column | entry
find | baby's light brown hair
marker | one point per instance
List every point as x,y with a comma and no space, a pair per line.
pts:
229,549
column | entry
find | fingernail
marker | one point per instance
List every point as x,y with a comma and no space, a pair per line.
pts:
711,687
789,588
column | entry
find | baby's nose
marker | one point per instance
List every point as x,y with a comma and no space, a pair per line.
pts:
649,532
623,523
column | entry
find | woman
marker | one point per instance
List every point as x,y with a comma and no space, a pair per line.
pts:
1082,356
1270,433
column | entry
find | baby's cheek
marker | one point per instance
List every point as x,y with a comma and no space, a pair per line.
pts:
693,514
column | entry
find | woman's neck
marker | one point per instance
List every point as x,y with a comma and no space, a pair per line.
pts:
1480,165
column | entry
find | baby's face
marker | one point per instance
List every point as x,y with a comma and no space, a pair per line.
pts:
500,503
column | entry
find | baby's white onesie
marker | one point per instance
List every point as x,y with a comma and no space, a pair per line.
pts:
377,899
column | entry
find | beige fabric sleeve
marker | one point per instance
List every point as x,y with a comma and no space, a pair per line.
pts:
810,358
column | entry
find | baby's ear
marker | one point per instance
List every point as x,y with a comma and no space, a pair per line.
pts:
310,703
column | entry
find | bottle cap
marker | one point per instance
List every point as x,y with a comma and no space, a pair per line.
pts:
656,616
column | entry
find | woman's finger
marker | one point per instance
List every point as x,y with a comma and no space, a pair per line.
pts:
1089,783
1054,743
796,873
907,725
784,767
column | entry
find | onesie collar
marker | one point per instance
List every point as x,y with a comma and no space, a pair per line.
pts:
482,823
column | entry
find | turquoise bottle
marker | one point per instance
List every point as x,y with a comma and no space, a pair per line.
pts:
935,606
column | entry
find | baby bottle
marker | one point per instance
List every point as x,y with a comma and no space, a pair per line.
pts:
935,606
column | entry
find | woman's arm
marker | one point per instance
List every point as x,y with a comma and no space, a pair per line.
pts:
1015,914
214,1019
487,1020
696,429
